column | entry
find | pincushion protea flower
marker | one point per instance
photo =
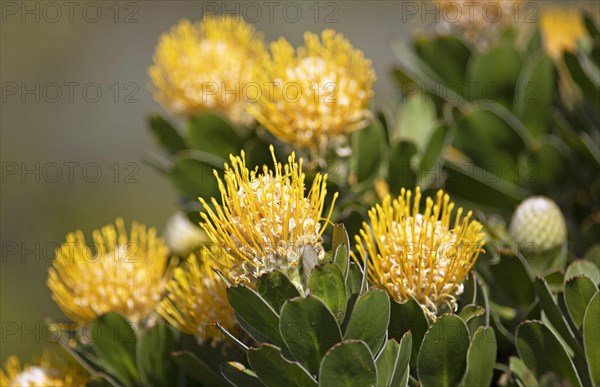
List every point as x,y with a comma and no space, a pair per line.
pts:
561,28
316,95
121,273
207,66
265,221
477,15
49,370
196,299
418,254
538,223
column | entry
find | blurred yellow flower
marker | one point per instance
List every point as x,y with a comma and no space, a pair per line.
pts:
561,28
419,255
48,371
480,14
265,221
315,95
120,273
207,66
196,299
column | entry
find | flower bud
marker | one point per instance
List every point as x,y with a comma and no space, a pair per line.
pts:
538,223
182,236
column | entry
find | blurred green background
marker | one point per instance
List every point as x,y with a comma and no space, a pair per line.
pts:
75,160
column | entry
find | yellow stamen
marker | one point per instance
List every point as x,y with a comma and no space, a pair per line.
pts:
207,66
419,255
120,273
196,299
264,221
314,96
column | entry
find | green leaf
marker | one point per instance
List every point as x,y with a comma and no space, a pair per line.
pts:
401,170
587,82
483,187
443,357
555,281
392,362
276,288
155,346
349,364
455,53
504,312
541,351
276,371
408,316
415,75
402,372
97,380
115,346
240,376
404,82
590,24
593,255
255,313
370,318
547,164
481,358
165,134
583,267
554,314
234,340
341,255
591,227
210,133
494,73
354,280
367,152
577,140
578,293
469,295
430,167
471,311
83,354
524,374
309,330
494,149
535,93
591,337
341,258
386,363
327,283
194,178
416,121
197,369
511,274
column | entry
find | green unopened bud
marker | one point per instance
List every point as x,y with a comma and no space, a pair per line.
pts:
538,223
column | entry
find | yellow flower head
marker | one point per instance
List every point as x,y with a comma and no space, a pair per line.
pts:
561,28
196,299
207,66
265,221
314,95
120,273
49,370
419,255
